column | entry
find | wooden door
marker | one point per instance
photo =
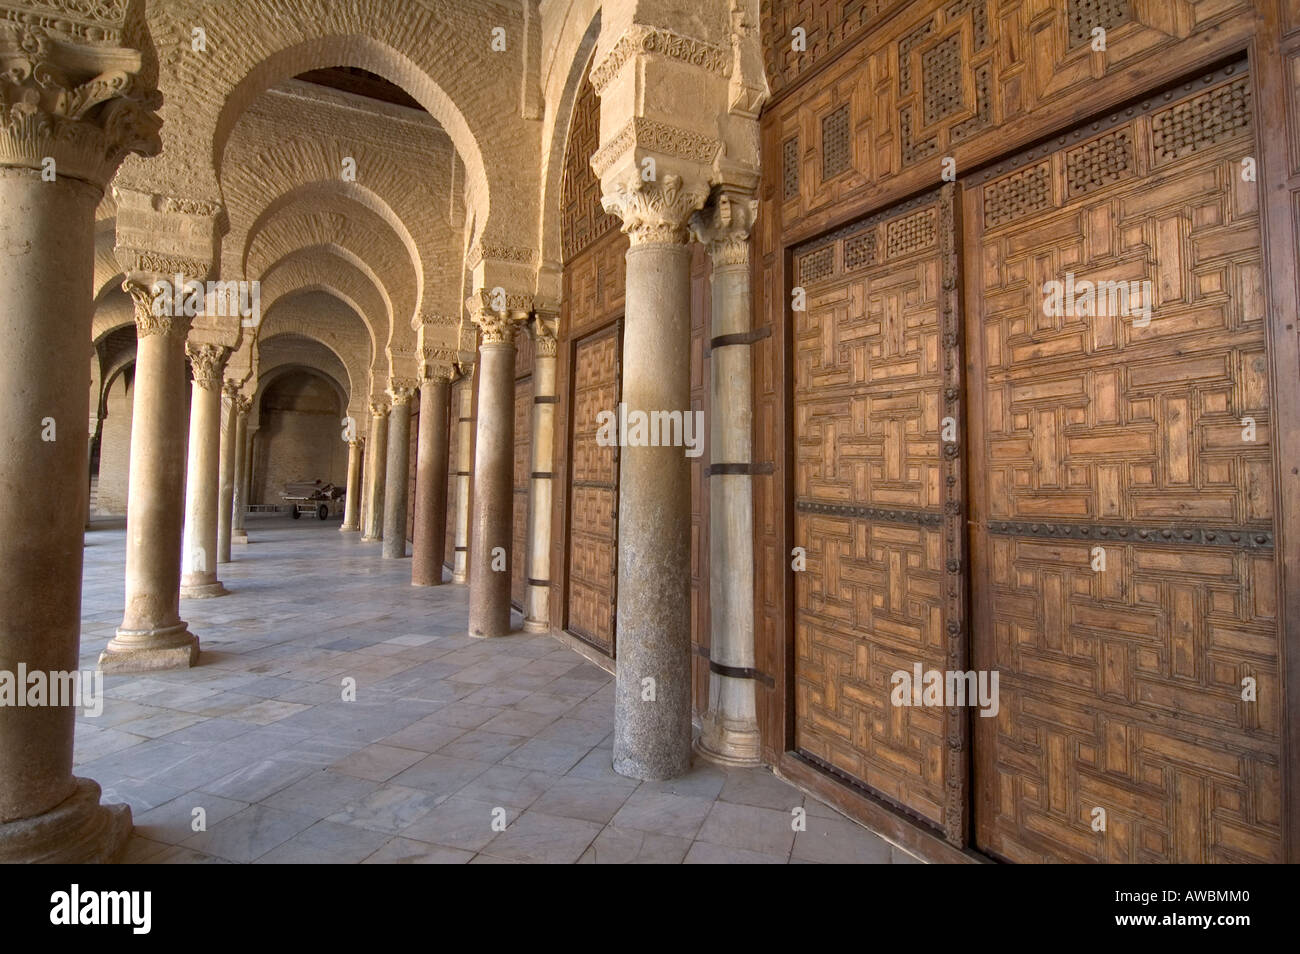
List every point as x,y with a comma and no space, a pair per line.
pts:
878,505
593,490
1122,493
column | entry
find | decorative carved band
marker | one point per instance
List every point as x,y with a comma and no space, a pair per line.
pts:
140,261
1249,538
655,213
662,138
209,363
920,517
514,254
640,38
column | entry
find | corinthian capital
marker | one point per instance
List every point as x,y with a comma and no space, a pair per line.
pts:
209,363
379,408
724,227
147,320
400,390
654,213
71,89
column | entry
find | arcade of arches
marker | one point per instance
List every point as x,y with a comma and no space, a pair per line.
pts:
986,311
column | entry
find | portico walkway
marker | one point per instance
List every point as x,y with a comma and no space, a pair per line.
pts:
446,735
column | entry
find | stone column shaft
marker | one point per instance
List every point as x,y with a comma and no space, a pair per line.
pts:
652,701
47,231
464,420
537,601
377,451
152,634
397,474
199,579
430,537
492,523
352,502
226,497
239,500
729,729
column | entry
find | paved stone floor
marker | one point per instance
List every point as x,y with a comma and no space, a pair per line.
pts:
446,732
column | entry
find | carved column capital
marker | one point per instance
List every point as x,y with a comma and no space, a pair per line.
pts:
148,320
379,408
499,327
655,213
358,442
209,362
243,404
400,390
231,390
436,364
71,90
724,226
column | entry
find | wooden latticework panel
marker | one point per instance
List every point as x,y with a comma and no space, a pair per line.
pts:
523,468
593,492
939,75
1121,685
583,219
878,508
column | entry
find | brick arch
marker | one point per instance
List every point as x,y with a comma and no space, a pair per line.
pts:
364,240
430,51
323,317
338,271
325,197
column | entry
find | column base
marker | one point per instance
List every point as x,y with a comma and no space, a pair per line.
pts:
202,591
736,746
239,537
366,538
349,529
79,830
150,650
537,626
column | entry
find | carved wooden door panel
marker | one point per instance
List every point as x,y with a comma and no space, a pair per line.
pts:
523,469
1122,492
878,505
593,491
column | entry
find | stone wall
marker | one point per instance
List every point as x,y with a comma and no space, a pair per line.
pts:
299,437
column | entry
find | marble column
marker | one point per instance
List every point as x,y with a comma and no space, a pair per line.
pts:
54,119
226,497
152,635
464,422
430,537
729,729
199,554
239,502
652,706
537,599
352,502
397,471
492,520
373,531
